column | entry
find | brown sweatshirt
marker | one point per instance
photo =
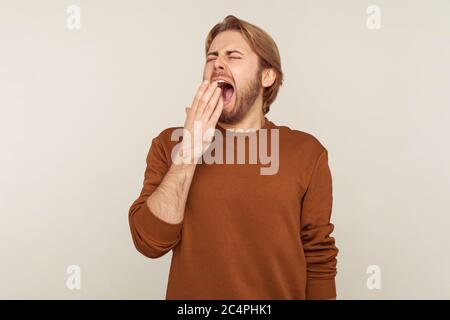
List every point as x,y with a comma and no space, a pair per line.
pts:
245,235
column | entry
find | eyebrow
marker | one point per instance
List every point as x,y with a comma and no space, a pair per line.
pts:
216,53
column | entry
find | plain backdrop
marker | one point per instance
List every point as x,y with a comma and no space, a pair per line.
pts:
78,110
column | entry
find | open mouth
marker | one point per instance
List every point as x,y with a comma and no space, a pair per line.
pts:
227,90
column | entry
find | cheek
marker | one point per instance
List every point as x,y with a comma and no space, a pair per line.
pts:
239,78
241,82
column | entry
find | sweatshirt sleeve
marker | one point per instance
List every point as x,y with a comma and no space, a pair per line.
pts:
152,236
319,247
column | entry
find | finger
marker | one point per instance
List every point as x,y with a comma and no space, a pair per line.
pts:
205,99
201,90
216,113
212,103
188,113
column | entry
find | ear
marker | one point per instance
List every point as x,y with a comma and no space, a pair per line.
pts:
268,77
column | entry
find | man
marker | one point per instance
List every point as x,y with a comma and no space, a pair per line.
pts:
236,232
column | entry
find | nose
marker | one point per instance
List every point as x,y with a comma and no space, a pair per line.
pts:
219,63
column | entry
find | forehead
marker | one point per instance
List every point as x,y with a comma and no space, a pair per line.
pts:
228,40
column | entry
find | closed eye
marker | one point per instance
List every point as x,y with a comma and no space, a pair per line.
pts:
229,57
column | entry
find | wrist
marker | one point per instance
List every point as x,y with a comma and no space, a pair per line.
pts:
184,163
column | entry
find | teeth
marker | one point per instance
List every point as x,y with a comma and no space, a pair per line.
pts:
221,83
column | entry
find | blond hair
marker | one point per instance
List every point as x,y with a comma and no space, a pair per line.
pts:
263,45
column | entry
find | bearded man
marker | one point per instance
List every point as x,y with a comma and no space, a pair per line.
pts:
234,232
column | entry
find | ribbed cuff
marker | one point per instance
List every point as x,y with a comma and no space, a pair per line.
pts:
319,289
154,227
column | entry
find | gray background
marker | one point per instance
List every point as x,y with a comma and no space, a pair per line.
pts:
78,110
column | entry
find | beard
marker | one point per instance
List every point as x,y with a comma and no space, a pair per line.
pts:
244,100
